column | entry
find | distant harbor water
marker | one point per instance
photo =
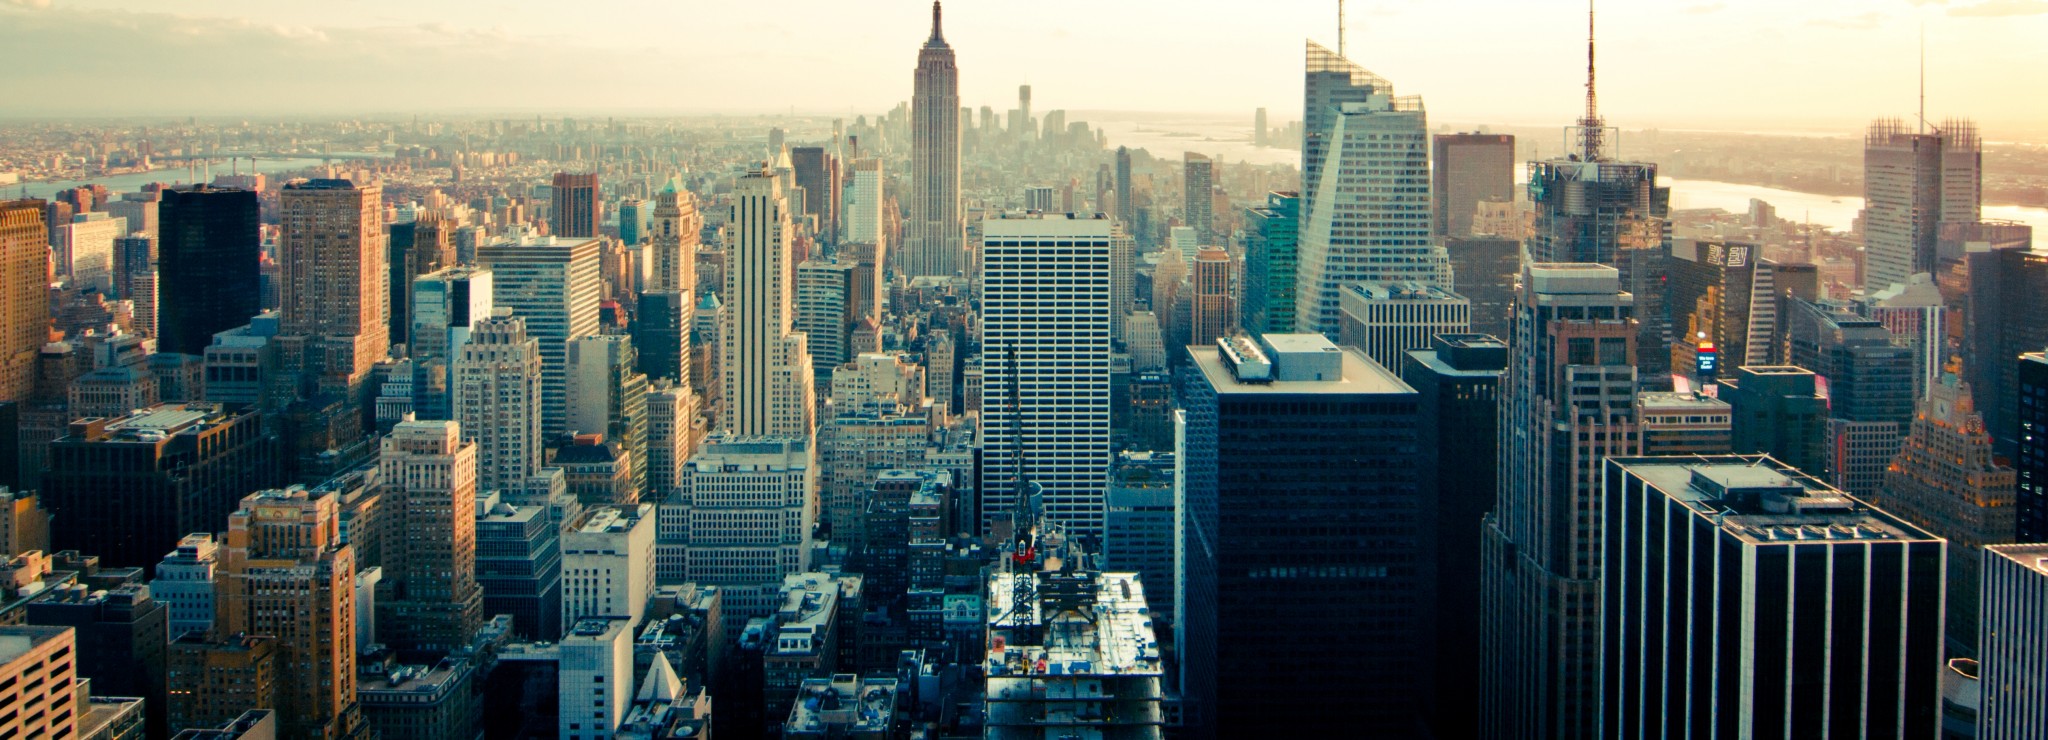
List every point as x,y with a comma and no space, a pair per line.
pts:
134,182
1169,138
1837,213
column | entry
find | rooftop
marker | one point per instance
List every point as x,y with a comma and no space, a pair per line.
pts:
2033,555
16,641
1680,402
844,702
614,519
1406,291
1359,374
414,680
1110,634
1762,501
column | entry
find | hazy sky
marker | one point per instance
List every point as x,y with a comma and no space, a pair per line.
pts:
1757,64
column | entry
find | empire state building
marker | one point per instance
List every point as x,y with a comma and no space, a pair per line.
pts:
933,236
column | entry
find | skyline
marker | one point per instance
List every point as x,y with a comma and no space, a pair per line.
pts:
1207,60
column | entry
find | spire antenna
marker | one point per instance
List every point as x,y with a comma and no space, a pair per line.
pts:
1340,29
1591,130
937,35
1592,100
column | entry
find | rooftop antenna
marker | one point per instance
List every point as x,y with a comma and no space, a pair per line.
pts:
1591,127
1923,77
1340,29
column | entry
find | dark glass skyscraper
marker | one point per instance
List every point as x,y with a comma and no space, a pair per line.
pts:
1743,598
1272,246
1457,380
817,172
1305,592
208,265
573,210
2031,432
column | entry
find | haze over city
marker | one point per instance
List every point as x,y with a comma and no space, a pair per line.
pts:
1815,65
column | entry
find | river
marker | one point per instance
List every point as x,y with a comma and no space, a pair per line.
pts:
1830,211
168,175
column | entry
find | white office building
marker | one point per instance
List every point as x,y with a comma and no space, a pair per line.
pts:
608,564
1387,320
595,666
496,386
764,365
1045,365
555,284
741,520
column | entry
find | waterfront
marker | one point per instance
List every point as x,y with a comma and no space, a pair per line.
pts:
134,181
1837,213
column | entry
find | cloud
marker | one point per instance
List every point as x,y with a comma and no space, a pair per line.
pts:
1861,22
36,4
1705,9
2001,9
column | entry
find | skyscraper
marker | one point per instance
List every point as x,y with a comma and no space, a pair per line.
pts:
1743,598
675,227
1592,207
496,386
286,573
1946,481
764,367
661,335
446,303
1912,183
431,600
1124,209
1870,389
2015,597
135,279
1778,410
333,270
574,206
1329,82
1367,217
24,296
1046,365
1199,183
2031,459
127,489
1567,402
1214,313
863,221
741,520
825,312
554,285
1262,569
1271,243
936,242
1386,321
1469,169
817,172
1457,383
608,396
634,215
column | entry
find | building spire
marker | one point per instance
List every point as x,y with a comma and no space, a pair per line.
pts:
1591,128
937,36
